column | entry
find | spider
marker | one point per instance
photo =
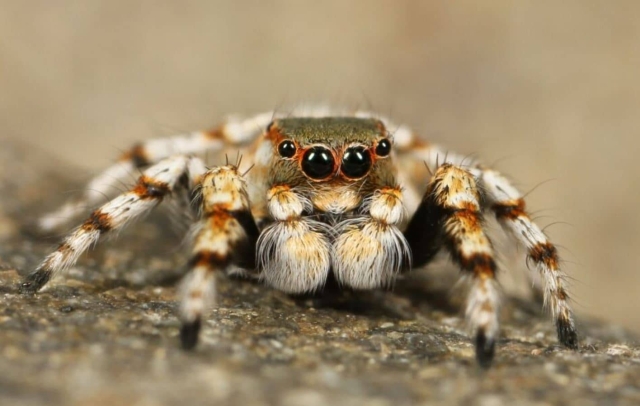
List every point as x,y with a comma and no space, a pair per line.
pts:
327,194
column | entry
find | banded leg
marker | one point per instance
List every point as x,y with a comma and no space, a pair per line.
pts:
225,236
294,252
155,183
509,207
450,215
234,132
370,250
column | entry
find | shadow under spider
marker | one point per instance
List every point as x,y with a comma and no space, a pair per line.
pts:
379,302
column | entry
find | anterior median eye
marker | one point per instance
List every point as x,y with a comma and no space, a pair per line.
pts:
317,162
287,149
356,162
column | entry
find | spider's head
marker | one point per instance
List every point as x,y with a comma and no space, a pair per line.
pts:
338,159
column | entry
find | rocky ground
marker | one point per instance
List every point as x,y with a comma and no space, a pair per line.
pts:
107,334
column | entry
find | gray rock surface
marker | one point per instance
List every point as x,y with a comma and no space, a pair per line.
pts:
107,334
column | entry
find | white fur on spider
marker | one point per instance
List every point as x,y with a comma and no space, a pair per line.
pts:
501,192
74,245
483,307
159,148
368,254
386,205
196,168
105,184
497,186
240,130
295,255
234,132
285,204
223,186
403,136
370,251
197,292
116,213
531,237
264,154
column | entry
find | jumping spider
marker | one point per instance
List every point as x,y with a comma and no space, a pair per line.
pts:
327,193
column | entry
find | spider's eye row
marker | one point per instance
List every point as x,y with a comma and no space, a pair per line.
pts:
287,149
384,147
317,162
356,162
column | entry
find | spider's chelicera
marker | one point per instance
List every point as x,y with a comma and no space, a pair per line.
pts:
327,194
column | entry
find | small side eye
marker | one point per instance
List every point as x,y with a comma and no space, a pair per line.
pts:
384,147
287,149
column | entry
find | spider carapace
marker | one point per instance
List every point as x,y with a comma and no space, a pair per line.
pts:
327,192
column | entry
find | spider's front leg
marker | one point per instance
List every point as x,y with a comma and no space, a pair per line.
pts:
450,215
225,237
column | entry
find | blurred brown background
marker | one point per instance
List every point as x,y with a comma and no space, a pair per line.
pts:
550,90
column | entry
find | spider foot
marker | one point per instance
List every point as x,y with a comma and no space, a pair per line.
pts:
189,333
485,349
567,334
34,282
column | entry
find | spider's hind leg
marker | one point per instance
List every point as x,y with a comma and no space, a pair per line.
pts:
509,207
449,215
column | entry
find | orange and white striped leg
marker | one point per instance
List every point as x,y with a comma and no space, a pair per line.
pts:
155,183
234,132
450,215
509,207
294,252
225,237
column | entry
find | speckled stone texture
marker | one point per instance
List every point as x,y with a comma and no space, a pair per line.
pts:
107,334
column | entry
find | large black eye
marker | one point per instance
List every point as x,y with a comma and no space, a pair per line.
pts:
287,149
383,148
317,162
356,162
